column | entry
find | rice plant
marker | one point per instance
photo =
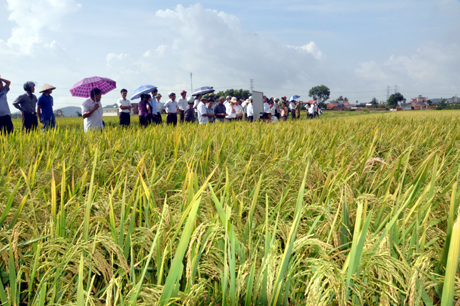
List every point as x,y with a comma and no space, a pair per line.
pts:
359,210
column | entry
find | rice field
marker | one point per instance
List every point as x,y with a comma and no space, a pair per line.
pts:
359,210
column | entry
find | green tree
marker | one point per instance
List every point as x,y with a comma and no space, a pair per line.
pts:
395,99
441,105
320,93
238,93
374,101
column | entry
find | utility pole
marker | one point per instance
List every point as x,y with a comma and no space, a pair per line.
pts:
388,92
251,81
191,82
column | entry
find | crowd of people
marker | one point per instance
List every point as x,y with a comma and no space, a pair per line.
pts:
203,109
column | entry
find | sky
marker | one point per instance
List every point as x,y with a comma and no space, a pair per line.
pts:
359,49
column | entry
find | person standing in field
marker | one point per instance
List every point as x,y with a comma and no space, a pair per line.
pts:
210,111
124,106
6,125
143,113
45,107
231,110
267,111
292,109
220,110
284,111
311,111
26,104
297,109
203,115
239,110
182,102
92,111
171,109
250,110
189,113
159,108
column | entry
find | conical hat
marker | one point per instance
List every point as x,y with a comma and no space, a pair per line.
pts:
46,87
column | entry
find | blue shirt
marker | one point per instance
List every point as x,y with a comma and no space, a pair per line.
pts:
153,105
46,107
4,108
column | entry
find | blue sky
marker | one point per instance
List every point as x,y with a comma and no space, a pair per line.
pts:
357,48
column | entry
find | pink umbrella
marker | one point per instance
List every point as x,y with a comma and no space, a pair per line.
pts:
84,87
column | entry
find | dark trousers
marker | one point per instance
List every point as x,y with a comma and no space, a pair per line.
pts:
293,114
284,118
159,120
29,121
250,118
171,119
182,116
143,121
6,125
125,119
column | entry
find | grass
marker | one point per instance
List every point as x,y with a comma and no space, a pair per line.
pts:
343,210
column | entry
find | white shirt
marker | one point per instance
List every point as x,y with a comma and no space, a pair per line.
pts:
273,110
93,122
231,115
311,109
267,108
182,104
250,110
195,105
201,109
238,109
292,105
160,106
226,103
171,106
123,102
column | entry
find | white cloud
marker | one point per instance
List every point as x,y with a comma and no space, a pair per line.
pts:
430,67
213,46
31,18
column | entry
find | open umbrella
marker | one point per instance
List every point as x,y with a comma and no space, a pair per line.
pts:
293,98
202,90
144,89
83,88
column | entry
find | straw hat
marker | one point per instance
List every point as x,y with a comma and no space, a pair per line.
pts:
47,87
234,100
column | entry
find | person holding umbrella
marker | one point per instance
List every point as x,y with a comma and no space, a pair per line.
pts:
143,113
26,104
171,107
92,111
45,107
94,88
6,125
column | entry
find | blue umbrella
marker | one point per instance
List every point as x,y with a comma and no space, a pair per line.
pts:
144,89
293,98
202,90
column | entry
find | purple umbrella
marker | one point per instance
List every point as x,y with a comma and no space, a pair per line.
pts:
83,88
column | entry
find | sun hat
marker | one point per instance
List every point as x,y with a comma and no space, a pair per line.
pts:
159,96
205,97
183,91
47,87
234,100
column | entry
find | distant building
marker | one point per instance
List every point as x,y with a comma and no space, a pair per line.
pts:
110,110
406,106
